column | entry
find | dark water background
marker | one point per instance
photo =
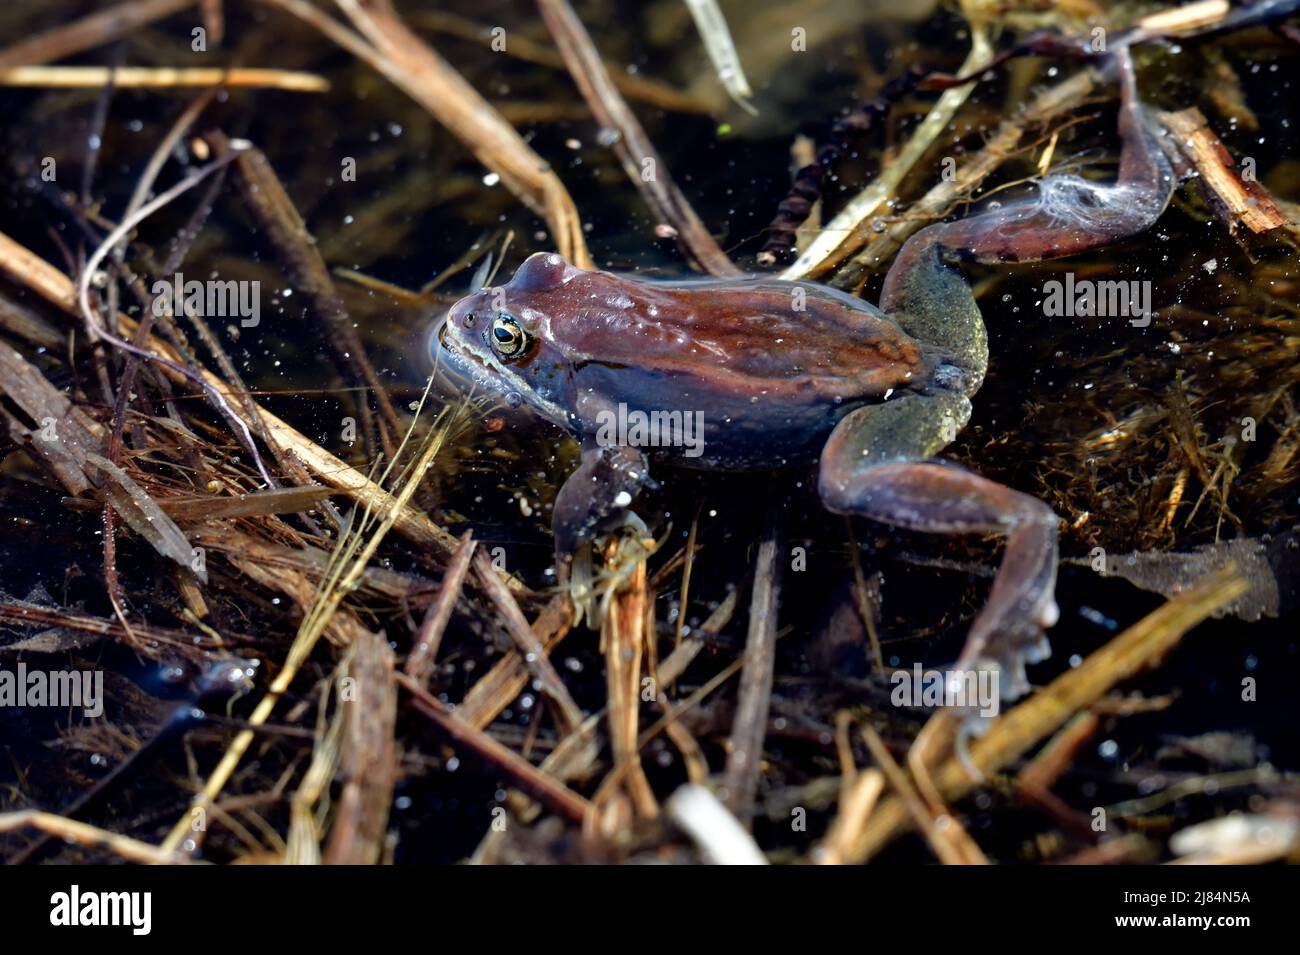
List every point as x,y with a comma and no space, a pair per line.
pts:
420,201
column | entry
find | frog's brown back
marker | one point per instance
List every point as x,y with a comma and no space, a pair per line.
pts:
798,339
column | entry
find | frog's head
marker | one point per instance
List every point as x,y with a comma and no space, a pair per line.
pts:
502,337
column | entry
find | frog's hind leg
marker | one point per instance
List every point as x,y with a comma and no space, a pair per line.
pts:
1069,215
875,465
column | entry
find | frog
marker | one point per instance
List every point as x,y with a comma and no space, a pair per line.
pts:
789,371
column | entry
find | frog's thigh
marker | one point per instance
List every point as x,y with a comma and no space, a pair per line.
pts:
904,490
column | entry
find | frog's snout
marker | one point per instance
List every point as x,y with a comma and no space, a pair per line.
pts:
438,337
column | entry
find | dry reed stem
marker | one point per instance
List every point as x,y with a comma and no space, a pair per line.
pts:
159,78
641,162
749,728
31,271
91,31
849,230
386,43
130,850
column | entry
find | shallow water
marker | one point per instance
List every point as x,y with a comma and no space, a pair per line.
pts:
1092,415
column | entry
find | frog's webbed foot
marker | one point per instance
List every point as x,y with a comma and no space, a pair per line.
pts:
897,487
596,498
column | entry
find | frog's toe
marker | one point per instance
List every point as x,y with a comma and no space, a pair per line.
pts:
1038,652
1049,614
1015,682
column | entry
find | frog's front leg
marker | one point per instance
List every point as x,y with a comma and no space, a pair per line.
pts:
595,497
878,464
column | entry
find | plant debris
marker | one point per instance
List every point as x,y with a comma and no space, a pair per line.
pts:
290,516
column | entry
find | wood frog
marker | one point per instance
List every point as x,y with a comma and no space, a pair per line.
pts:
778,372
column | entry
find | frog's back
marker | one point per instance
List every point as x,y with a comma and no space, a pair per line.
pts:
756,336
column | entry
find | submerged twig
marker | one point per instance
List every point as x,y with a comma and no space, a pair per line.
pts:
568,713
755,696
424,647
557,797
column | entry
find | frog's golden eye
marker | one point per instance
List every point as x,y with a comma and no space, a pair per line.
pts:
508,336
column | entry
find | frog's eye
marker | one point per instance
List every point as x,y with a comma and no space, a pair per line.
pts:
508,336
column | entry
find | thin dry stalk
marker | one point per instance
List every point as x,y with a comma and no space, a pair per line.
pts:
92,837
859,792
847,232
160,78
712,26
749,728
643,165
568,714
949,842
623,636
91,31
546,789
310,800
427,640
388,45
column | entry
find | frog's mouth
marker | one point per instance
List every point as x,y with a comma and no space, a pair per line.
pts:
450,361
